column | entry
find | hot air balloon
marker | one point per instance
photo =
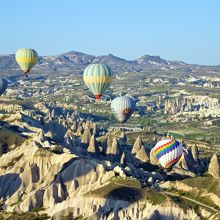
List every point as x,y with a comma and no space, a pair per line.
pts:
97,78
123,107
26,59
3,85
168,152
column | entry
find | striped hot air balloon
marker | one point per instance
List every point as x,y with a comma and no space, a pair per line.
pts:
3,85
97,78
168,152
123,107
26,59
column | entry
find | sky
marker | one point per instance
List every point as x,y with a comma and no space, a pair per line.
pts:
187,30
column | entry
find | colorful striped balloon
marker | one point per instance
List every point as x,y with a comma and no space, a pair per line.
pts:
168,152
123,107
97,78
26,59
3,85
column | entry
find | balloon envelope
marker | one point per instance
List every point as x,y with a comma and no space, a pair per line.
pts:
123,107
26,59
97,78
168,152
3,85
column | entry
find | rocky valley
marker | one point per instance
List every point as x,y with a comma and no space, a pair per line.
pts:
64,156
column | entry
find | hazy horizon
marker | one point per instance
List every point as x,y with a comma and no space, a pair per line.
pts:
97,55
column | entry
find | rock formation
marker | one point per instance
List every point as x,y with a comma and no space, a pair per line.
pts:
184,162
86,138
79,130
92,148
123,139
137,145
40,138
153,159
142,155
113,152
74,126
69,140
214,167
123,159
106,144
64,180
195,153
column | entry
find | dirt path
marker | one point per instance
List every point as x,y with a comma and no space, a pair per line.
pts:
192,200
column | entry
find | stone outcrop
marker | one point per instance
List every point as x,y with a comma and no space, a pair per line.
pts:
153,159
41,136
123,159
79,130
74,126
70,141
92,148
214,167
113,152
137,145
86,137
200,105
123,139
58,130
184,162
190,160
109,142
195,153
142,155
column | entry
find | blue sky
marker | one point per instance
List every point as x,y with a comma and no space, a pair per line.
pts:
187,30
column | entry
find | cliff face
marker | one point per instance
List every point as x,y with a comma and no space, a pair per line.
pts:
42,178
199,104
99,208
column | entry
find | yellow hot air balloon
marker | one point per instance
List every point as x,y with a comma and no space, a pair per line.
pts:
97,78
26,59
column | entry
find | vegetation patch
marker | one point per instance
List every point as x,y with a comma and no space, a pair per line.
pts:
208,183
128,190
11,138
43,153
13,161
22,216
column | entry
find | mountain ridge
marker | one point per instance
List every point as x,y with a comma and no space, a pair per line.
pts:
74,61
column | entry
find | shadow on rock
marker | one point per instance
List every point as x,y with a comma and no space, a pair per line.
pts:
157,216
9,184
117,200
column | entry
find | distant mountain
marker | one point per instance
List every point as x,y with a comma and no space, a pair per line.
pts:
70,58
7,62
118,64
75,62
154,60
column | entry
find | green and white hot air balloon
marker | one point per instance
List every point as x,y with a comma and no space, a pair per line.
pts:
97,78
